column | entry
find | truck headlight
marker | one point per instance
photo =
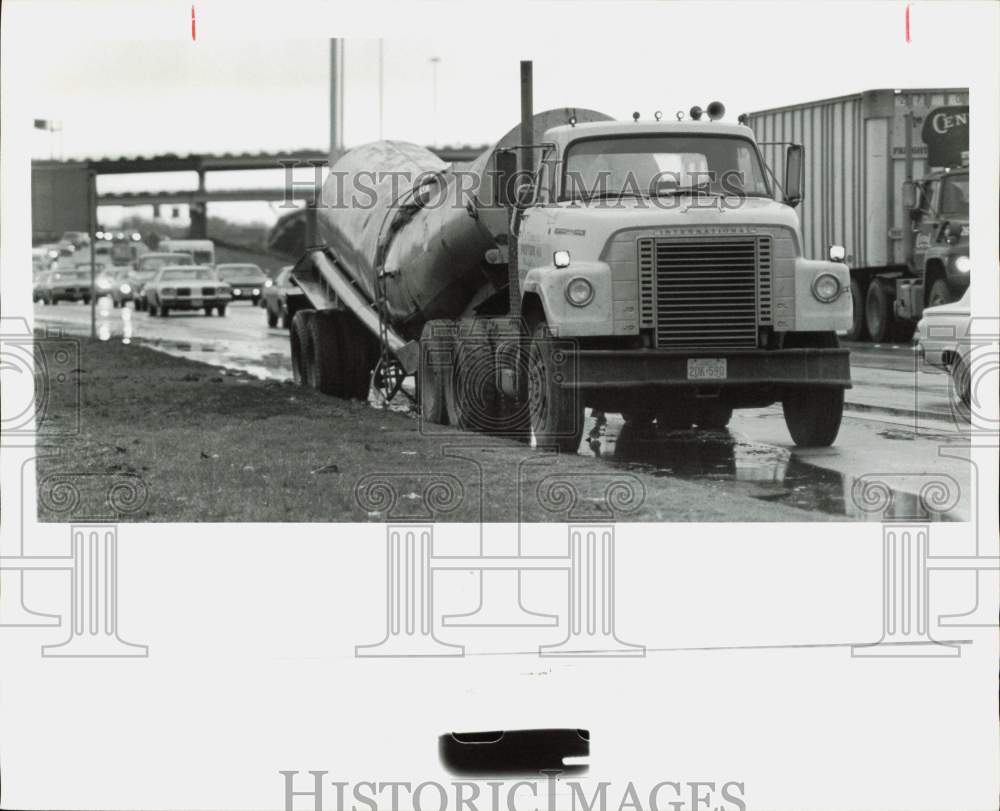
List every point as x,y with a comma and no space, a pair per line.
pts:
826,288
962,264
837,253
561,259
579,292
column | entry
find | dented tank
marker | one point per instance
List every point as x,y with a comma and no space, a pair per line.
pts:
396,207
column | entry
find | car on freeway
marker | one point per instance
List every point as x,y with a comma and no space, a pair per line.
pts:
942,342
186,287
282,299
67,285
40,285
40,259
247,280
147,266
78,239
116,283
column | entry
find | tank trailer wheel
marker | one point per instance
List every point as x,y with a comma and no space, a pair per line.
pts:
437,347
300,337
556,411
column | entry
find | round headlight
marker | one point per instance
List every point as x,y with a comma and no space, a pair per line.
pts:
256,291
579,292
962,264
826,287
126,288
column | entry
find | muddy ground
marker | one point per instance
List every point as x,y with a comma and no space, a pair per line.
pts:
187,441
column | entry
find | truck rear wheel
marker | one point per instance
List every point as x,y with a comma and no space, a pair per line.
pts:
475,402
859,329
300,337
556,412
813,415
437,345
878,312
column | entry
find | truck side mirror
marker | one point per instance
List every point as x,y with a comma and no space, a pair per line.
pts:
909,195
506,173
794,166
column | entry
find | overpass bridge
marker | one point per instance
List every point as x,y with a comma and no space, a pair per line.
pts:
201,164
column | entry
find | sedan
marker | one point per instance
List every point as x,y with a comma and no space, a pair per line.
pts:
282,298
246,280
116,284
942,341
186,287
67,285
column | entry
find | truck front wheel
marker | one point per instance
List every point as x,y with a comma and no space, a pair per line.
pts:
813,415
878,312
437,346
556,411
859,329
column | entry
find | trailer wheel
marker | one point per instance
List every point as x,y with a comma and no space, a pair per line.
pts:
859,329
359,354
813,415
556,412
301,345
437,345
878,312
327,355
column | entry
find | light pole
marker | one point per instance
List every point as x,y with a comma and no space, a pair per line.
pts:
435,61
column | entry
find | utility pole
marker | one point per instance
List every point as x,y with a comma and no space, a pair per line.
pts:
336,99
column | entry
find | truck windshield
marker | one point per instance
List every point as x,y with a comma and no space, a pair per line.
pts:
241,272
955,197
663,164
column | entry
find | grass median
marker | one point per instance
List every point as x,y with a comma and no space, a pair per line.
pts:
208,444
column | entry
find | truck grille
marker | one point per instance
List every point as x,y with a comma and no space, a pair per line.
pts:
705,292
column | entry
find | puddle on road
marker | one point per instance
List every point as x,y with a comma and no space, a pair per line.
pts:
764,472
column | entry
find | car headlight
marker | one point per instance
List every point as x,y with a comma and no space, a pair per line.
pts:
579,292
237,291
256,291
126,288
962,264
269,283
837,253
826,288
103,284
561,259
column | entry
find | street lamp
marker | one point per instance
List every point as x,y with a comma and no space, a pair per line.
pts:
435,61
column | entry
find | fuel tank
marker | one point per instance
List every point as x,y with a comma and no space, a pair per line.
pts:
395,207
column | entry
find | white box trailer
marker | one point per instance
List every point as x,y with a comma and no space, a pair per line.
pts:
860,151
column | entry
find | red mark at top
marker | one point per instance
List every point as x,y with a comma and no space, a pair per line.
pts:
194,30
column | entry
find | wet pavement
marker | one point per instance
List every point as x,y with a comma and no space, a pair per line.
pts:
897,422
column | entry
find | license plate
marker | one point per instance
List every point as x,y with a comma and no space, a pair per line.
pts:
706,368
196,302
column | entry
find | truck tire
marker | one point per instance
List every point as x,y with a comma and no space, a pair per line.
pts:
475,402
813,415
437,345
556,413
859,329
939,294
327,356
300,338
360,354
878,312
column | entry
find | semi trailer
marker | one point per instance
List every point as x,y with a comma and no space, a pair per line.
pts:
887,183
646,267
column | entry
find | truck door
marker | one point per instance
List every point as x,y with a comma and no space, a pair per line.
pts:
927,224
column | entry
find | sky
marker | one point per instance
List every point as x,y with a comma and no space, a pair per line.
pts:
225,94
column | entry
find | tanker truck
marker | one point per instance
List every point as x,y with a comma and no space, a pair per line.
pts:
888,193
643,267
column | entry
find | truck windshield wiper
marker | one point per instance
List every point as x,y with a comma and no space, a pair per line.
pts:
679,190
604,195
